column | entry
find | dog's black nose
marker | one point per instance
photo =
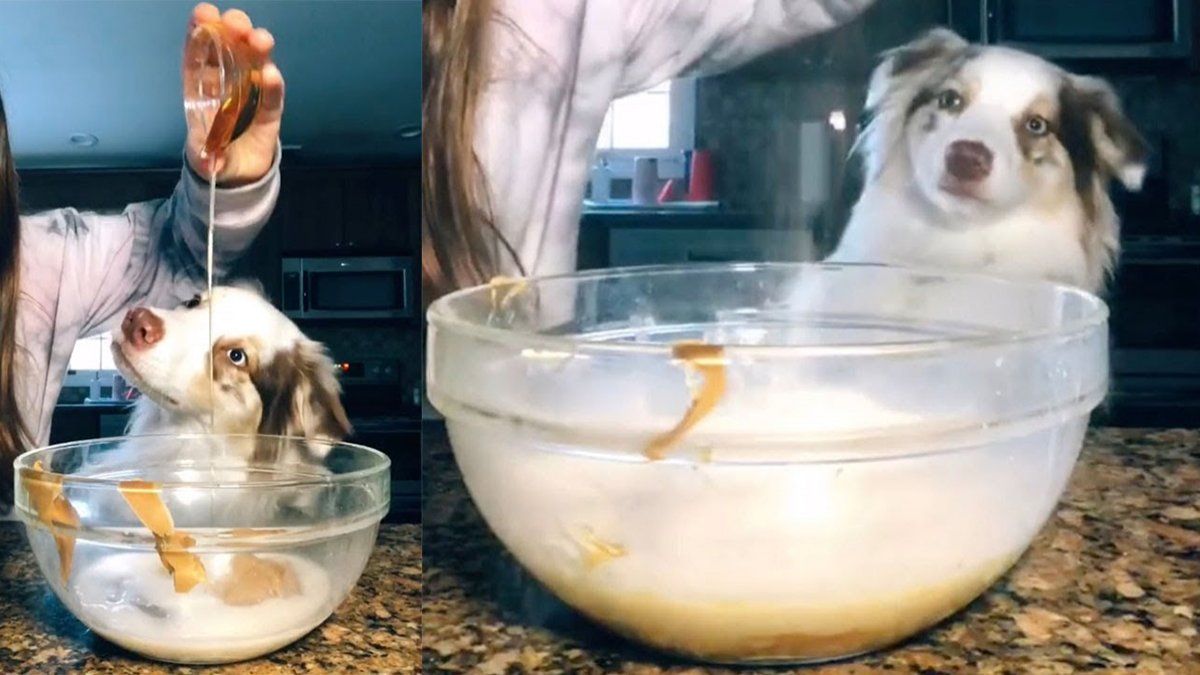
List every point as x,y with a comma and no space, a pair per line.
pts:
142,328
968,161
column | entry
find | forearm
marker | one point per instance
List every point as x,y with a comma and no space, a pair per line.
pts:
239,215
705,38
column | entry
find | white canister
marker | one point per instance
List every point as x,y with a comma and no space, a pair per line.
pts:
645,180
601,183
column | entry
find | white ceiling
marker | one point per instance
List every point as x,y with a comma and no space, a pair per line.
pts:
110,68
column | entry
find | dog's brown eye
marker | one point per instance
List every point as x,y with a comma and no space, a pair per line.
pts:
1037,126
949,100
237,357
193,303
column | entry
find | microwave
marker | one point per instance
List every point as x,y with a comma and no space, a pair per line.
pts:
348,288
1139,30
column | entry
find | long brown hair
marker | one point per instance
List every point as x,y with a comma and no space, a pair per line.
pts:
13,431
460,244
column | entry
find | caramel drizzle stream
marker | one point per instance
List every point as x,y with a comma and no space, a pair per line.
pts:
185,568
53,510
709,361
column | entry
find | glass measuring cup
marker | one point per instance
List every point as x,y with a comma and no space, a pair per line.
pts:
222,85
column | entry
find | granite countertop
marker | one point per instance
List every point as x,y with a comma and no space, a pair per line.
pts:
375,630
1112,582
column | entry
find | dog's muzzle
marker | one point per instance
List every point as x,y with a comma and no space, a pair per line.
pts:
141,328
968,161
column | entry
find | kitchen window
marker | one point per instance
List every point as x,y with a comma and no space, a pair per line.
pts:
91,362
93,353
658,122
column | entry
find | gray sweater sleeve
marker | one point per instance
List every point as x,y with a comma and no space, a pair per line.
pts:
684,38
154,253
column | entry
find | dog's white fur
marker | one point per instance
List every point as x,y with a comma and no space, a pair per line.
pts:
1043,212
270,378
282,384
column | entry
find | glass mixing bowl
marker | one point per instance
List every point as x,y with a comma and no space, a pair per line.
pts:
858,453
202,549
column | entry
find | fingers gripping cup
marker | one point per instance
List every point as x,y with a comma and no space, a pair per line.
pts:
222,85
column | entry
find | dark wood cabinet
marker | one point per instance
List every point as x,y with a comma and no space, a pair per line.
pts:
310,212
375,217
320,211
349,211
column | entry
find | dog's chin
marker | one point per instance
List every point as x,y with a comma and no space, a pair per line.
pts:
127,369
960,203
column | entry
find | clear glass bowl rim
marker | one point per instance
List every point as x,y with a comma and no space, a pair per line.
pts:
25,461
442,315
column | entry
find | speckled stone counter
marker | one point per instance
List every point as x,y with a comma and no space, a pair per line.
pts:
376,630
1112,583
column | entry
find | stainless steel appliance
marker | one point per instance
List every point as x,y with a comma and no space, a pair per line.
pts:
348,288
1080,29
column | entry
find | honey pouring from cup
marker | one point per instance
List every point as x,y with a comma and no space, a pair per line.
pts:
222,85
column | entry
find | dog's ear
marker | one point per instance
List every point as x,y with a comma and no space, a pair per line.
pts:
935,46
1097,134
302,397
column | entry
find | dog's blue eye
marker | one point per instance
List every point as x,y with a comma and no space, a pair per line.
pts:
237,357
1037,126
193,303
949,100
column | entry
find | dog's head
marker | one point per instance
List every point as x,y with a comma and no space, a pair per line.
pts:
269,378
985,129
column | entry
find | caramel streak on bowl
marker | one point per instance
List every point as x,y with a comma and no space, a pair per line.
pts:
502,290
146,502
709,361
596,551
53,510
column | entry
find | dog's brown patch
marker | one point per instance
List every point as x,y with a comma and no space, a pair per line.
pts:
1098,137
1075,136
1037,148
301,395
923,98
231,381
944,79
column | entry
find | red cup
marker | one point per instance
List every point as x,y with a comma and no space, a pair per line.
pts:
701,188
